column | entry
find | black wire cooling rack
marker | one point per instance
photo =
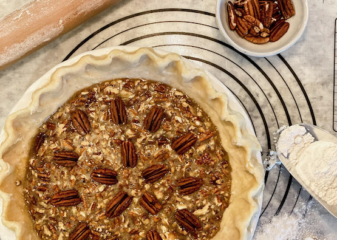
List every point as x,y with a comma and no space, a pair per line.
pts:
268,88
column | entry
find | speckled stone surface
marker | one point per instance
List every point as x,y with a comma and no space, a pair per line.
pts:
273,90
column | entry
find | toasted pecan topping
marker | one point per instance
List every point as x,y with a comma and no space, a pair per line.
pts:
118,204
150,203
104,176
66,158
80,122
184,143
153,119
129,156
187,220
126,179
118,112
66,198
154,173
189,185
81,232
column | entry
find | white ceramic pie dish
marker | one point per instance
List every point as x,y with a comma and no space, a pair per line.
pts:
234,104
298,24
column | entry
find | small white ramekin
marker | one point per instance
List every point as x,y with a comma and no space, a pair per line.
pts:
298,24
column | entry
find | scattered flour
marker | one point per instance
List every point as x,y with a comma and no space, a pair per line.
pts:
282,227
305,223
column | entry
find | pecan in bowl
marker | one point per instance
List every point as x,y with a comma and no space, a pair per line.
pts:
260,21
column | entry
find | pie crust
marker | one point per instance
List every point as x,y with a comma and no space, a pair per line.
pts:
172,69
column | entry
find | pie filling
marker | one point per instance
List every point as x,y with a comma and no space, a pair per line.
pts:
128,159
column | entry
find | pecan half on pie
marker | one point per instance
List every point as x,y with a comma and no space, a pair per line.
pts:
128,159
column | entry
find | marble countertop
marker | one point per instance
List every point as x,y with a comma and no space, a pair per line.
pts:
292,87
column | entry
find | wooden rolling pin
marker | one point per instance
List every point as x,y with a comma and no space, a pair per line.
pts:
40,22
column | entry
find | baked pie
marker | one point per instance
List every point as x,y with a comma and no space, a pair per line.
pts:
128,157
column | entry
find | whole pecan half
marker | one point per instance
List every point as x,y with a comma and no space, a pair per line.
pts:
187,220
81,232
279,30
104,176
80,122
153,235
154,173
189,185
184,143
242,27
66,198
153,119
118,111
287,8
252,8
129,156
232,19
267,13
118,204
66,158
256,5
39,141
150,203
249,8
257,39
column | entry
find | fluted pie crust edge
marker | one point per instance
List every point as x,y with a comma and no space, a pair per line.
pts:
172,69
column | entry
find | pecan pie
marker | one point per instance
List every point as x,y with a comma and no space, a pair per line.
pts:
99,163
129,158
